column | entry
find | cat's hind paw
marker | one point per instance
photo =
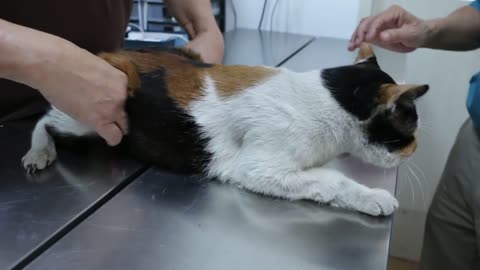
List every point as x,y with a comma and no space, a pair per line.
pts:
38,159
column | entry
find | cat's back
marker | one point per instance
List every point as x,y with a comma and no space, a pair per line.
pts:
164,87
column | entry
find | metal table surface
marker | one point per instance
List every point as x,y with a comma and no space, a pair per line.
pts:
252,47
322,53
166,221
35,210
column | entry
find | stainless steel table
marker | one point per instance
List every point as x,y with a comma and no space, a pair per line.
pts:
36,211
251,47
166,221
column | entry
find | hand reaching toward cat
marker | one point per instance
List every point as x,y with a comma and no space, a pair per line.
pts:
197,19
395,29
209,45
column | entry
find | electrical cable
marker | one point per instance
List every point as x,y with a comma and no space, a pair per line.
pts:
263,14
234,14
273,14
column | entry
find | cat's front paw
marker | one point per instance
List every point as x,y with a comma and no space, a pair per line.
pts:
38,159
377,202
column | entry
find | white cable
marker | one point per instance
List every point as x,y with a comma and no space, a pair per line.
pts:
140,15
136,26
145,15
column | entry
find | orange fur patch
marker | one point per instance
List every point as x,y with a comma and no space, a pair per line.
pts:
389,93
409,149
184,80
365,52
229,80
184,73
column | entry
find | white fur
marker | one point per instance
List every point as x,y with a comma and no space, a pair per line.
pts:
274,138
42,151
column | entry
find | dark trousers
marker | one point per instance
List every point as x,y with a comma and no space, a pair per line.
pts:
452,230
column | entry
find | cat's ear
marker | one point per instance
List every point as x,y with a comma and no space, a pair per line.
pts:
391,93
366,57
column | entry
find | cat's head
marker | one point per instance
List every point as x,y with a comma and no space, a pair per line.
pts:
385,112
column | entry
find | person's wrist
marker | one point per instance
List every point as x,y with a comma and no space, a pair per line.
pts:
217,38
433,28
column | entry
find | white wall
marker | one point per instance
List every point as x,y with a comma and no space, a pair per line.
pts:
442,111
311,17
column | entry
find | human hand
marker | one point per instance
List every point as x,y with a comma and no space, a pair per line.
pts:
75,81
395,29
196,17
85,87
209,45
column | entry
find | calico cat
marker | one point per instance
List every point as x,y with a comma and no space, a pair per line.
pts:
266,129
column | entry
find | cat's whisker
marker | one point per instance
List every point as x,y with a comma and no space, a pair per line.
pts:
427,180
419,184
426,132
426,129
411,187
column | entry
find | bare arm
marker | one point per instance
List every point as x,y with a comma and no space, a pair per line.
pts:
70,78
197,18
397,29
459,31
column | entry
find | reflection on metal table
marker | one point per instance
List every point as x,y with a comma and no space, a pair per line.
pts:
166,221
36,210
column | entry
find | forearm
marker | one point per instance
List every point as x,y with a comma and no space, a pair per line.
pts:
460,31
195,16
24,50
197,19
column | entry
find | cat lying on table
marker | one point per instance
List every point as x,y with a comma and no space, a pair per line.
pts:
266,129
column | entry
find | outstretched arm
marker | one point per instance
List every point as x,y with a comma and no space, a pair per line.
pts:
398,30
196,17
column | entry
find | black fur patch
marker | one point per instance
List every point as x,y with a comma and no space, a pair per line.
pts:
200,64
356,87
382,131
161,133
77,143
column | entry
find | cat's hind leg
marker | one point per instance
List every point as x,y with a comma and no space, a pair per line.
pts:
42,150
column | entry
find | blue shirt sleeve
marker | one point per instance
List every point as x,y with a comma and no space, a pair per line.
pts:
476,4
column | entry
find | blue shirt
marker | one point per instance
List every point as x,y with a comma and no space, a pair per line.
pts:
473,98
